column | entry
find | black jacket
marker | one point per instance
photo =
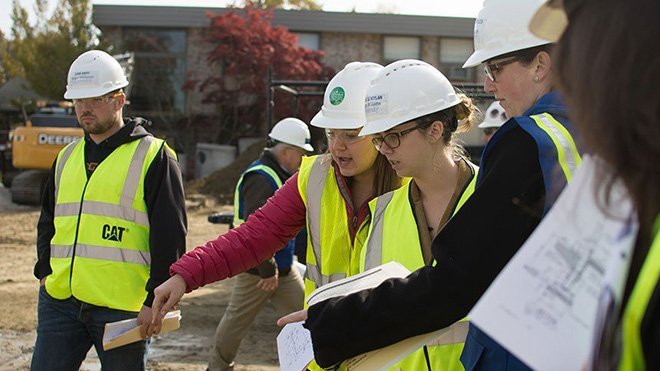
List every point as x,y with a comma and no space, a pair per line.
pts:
163,192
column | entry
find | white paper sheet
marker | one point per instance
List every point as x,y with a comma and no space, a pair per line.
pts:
294,347
542,306
294,343
365,280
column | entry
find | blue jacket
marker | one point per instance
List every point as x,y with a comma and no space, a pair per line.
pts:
481,352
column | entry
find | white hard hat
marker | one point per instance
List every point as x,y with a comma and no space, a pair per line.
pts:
501,28
343,101
403,91
549,21
494,117
292,131
93,74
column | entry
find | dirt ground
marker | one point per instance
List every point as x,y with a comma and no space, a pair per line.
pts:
185,349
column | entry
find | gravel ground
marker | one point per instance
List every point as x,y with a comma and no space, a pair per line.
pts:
185,349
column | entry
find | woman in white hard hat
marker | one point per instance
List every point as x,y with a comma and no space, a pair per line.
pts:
493,119
329,195
619,119
524,167
414,127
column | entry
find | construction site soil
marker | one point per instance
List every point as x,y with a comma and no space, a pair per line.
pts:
185,349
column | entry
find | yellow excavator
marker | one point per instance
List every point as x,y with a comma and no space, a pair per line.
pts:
35,146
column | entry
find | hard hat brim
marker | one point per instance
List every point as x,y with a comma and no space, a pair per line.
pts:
307,147
379,126
482,56
477,58
549,22
486,124
321,121
91,92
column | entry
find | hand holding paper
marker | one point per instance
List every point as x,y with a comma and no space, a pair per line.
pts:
125,332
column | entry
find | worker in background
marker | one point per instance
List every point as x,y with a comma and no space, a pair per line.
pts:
416,131
273,280
329,194
524,168
625,135
112,221
493,119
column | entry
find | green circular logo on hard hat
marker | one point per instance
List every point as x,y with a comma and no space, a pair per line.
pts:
337,95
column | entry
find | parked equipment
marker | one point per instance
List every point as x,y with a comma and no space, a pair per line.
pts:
36,145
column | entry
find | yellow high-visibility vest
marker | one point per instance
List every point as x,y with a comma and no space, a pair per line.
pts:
632,357
394,236
256,166
331,253
100,252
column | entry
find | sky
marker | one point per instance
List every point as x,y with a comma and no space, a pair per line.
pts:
449,8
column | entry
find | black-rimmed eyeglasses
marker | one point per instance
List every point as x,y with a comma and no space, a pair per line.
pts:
393,140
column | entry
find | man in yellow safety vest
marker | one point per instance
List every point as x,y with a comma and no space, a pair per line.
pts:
113,219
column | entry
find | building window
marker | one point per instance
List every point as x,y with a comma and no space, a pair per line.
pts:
159,71
400,47
308,40
453,53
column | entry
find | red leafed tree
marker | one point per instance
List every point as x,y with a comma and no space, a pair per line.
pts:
244,45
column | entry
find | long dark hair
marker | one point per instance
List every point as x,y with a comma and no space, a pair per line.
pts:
608,71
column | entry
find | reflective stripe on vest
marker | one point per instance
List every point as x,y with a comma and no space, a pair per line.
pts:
407,233
100,251
331,254
568,156
374,248
632,357
125,208
64,157
256,167
317,176
558,155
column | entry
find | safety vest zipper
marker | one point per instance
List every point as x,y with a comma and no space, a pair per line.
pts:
75,235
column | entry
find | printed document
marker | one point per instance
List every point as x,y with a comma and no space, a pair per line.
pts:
294,344
542,307
294,347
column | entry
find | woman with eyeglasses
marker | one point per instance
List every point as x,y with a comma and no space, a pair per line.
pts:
414,128
622,127
523,169
329,195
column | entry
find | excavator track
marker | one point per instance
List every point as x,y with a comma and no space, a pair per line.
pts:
28,186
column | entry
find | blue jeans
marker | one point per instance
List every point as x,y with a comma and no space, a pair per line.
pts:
68,328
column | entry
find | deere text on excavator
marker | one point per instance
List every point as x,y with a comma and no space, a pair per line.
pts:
36,145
